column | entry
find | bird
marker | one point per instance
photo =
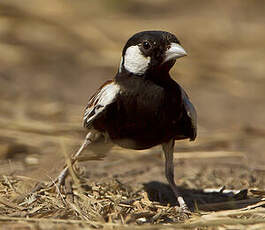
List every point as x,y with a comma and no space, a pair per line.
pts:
143,106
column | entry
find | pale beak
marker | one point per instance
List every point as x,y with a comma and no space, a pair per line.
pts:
175,51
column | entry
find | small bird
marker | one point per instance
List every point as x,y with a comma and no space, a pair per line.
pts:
143,106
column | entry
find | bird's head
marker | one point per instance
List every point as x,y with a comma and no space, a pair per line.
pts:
150,52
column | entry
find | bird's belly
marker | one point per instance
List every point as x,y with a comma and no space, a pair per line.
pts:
142,120
140,136
133,144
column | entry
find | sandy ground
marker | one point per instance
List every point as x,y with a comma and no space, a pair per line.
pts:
54,55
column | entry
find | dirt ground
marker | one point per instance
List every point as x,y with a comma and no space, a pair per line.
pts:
55,54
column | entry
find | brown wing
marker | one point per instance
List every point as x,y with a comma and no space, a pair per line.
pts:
104,96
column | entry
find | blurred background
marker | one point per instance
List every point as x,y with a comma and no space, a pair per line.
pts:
55,54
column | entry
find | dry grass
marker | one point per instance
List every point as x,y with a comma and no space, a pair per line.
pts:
54,54
113,204
86,204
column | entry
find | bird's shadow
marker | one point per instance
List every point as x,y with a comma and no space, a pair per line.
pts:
198,199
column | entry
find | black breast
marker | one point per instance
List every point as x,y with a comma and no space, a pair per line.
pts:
145,114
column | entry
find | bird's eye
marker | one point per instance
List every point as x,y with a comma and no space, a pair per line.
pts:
146,45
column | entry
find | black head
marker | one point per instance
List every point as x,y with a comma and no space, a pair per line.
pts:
150,51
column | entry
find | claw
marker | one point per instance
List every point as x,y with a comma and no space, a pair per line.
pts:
61,178
184,213
184,208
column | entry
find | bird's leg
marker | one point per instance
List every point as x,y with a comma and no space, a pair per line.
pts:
168,149
88,140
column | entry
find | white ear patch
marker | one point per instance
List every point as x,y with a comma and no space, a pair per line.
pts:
134,61
120,67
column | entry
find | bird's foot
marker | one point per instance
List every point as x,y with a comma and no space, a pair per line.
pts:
59,181
63,186
184,212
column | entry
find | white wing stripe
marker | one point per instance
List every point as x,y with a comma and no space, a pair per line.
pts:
103,98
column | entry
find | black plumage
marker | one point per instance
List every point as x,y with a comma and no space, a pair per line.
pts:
146,114
143,106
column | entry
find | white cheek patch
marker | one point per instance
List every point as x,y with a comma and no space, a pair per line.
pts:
120,67
134,61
